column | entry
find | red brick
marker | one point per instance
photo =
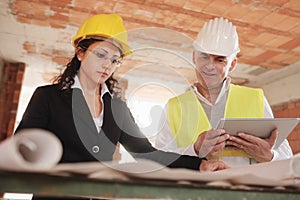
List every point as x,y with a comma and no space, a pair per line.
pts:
292,4
295,30
277,2
16,96
268,54
285,58
272,19
294,135
19,78
272,65
218,7
196,5
77,17
291,44
84,3
295,145
287,24
61,10
144,13
291,105
60,60
254,16
21,7
278,40
284,106
59,20
181,20
295,112
103,6
8,103
132,26
164,16
252,52
61,3
39,10
297,104
23,19
45,1
29,47
296,51
10,128
178,3
237,11
263,38
40,22
123,8
285,113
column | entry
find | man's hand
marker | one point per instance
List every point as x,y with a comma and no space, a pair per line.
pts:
210,143
260,149
212,165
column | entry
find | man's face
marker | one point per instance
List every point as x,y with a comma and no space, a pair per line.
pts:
211,70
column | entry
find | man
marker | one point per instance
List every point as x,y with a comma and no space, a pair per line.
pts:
190,117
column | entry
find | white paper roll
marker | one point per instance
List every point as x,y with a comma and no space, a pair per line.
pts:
295,166
30,150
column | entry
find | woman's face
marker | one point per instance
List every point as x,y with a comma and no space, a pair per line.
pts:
211,70
98,62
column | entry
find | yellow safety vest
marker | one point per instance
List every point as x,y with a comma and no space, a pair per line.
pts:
188,119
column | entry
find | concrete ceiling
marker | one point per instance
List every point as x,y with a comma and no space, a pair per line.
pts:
38,32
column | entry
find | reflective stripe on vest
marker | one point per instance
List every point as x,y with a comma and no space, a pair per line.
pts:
187,117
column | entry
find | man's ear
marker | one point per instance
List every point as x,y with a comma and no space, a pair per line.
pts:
79,53
233,64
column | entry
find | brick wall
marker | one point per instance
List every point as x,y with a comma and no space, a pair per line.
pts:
11,76
286,111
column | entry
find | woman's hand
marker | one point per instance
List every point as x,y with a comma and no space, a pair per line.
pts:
212,165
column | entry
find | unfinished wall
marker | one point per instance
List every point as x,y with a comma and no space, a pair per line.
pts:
288,110
11,76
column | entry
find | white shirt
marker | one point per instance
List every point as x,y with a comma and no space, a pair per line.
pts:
99,119
166,141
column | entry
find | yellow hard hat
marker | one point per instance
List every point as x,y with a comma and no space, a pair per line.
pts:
108,26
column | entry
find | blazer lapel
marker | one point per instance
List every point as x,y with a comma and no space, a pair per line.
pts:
81,111
108,119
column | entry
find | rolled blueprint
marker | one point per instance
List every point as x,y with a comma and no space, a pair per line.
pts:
295,166
30,150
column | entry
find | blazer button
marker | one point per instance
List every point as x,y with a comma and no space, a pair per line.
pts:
95,149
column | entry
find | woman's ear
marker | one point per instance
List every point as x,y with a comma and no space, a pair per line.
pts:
79,53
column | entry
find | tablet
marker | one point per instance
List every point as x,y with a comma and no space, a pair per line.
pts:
260,127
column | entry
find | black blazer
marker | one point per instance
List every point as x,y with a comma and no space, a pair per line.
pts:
66,114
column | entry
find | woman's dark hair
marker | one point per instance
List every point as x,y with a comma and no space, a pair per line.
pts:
66,79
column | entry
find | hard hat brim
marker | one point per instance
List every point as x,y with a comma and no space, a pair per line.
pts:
126,50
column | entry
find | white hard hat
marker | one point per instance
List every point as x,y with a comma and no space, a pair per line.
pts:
218,37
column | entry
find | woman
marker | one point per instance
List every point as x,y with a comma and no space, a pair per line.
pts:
81,110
